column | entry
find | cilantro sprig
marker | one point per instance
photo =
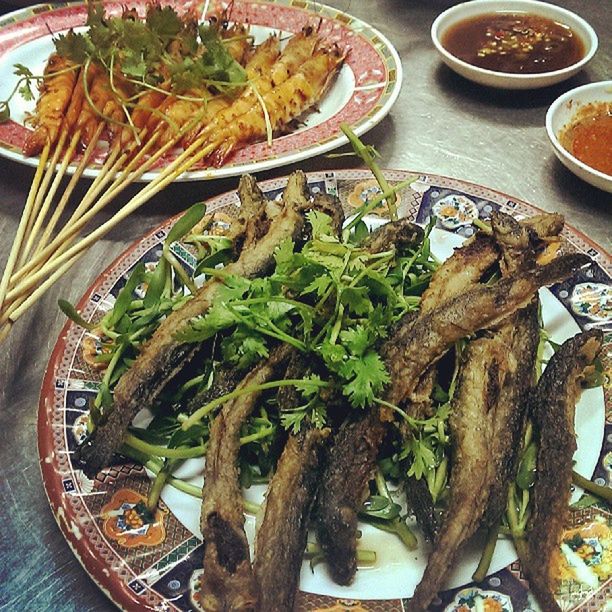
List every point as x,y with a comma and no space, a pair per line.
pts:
147,52
144,52
24,87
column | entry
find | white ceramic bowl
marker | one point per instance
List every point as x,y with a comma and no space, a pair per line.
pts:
561,114
506,80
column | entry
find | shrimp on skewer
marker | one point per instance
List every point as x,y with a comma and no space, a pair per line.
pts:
297,51
145,108
103,104
115,111
55,93
181,111
282,105
99,93
237,42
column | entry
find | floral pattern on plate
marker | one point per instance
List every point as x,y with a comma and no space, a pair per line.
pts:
454,211
476,600
592,300
129,522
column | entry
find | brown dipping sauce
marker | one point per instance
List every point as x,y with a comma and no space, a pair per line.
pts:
589,136
520,43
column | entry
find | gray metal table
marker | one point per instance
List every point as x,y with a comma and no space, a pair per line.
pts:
440,124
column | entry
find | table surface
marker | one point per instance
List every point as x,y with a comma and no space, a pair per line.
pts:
440,124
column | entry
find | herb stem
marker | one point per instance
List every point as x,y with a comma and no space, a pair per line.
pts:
364,557
374,202
604,493
366,155
193,490
200,413
112,364
180,271
440,478
158,484
156,450
487,554
481,225
258,435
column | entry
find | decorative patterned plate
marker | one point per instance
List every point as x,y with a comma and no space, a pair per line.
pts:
157,565
366,88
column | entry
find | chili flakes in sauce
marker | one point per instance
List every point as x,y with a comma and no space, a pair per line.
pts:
514,42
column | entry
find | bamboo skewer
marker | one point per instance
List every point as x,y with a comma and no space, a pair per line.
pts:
180,165
61,205
18,308
44,185
128,175
23,223
47,249
86,210
5,330
46,203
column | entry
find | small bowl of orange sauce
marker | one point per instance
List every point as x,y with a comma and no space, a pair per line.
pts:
579,126
513,44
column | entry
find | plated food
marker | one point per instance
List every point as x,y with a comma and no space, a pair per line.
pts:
367,85
111,487
148,92
579,127
516,44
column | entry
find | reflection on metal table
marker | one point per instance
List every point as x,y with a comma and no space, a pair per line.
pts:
441,124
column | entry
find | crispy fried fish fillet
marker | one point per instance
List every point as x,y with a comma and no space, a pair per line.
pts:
520,334
552,409
488,415
415,344
228,583
485,425
353,454
401,234
344,489
281,538
163,355
515,242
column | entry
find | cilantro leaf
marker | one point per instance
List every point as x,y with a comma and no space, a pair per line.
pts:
357,299
283,255
75,46
366,377
244,348
357,339
320,223
5,111
319,285
163,22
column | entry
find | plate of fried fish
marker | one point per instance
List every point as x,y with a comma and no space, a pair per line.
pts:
249,86
306,396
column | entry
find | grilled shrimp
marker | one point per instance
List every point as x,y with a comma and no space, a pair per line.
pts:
99,94
237,42
56,92
143,111
103,104
181,111
298,50
283,104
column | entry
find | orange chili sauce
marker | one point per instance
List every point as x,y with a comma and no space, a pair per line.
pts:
589,136
519,43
